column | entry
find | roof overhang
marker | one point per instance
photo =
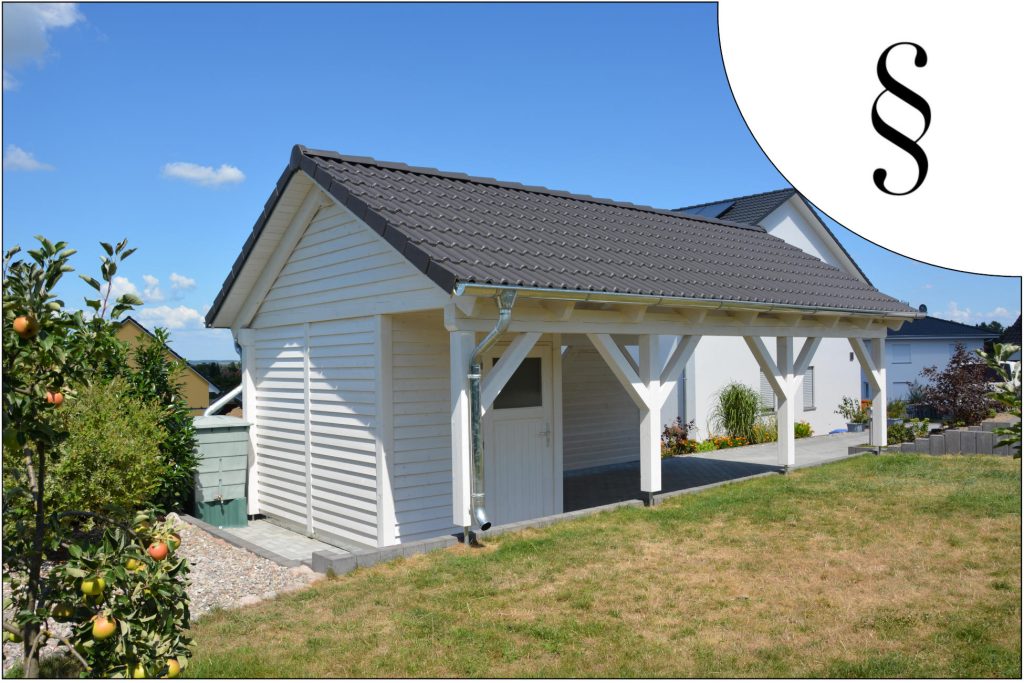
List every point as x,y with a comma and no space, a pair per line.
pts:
487,290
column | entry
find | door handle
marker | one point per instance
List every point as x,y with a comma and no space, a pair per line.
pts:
546,434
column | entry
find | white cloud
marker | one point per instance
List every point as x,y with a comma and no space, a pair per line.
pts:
969,316
182,282
17,159
203,175
121,285
26,32
151,293
171,317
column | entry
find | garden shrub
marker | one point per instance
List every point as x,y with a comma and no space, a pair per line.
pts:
111,457
156,379
736,410
897,408
1007,393
802,430
676,438
959,392
705,446
765,430
899,433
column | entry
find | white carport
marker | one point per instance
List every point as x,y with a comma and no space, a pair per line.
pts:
361,296
610,323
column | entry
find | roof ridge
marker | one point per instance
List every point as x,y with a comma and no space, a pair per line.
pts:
736,199
511,185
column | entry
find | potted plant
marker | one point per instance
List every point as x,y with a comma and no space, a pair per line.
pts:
855,414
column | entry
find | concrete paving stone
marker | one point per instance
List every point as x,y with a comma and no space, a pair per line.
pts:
953,441
937,444
969,441
985,442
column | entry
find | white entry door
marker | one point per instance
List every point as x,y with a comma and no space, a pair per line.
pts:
519,461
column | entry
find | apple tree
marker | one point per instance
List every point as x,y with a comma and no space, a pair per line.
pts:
114,577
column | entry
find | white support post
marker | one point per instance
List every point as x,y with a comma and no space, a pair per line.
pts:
650,417
649,384
386,519
784,374
873,363
461,353
786,412
879,408
249,415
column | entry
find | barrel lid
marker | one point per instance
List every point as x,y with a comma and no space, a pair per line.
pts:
218,422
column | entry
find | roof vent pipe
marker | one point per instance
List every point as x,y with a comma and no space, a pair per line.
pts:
506,299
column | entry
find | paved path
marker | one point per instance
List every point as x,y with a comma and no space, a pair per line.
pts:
613,483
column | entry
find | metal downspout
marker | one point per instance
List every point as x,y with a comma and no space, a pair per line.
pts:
506,299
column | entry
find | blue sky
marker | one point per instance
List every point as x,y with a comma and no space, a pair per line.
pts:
170,124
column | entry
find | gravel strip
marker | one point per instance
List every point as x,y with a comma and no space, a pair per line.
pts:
222,576
227,576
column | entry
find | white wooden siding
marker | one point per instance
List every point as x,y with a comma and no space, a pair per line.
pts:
280,415
341,268
422,465
601,423
343,413
318,476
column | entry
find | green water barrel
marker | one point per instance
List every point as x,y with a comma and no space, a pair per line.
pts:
223,445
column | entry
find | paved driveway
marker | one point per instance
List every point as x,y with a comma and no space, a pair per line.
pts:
613,483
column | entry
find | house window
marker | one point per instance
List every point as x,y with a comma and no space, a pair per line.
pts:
809,389
900,353
767,393
523,389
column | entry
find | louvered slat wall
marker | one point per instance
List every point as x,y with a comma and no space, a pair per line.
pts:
281,424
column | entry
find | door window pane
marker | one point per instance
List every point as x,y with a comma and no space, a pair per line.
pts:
523,389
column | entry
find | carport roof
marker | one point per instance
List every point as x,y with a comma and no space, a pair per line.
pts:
460,229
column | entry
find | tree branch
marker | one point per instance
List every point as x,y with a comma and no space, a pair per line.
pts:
71,647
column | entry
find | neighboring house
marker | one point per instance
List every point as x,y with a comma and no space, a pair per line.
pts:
360,297
924,343
835,372
1011,335
196,389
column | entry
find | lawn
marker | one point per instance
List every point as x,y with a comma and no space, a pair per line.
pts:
878,566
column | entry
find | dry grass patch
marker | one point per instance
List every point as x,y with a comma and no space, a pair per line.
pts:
877,566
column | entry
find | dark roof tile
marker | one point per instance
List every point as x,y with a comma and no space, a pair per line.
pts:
938,327
479,230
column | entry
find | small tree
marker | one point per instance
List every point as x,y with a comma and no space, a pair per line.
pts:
958,392
125,625
1008,391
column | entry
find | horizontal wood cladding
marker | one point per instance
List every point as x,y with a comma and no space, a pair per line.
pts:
316,409
422,465
279,380
341,268
601,423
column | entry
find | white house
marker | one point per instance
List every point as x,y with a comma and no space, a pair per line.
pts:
426,352
924,343
835,372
